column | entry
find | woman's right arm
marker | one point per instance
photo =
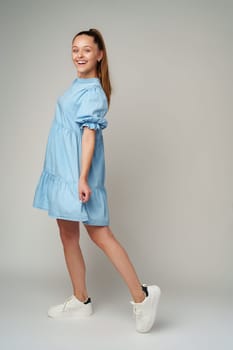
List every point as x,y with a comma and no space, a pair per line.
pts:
88,146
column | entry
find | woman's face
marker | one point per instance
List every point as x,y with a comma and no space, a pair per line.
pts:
85,54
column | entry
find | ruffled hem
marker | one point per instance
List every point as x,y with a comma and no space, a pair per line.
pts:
60,199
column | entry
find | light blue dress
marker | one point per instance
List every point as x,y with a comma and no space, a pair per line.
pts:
84,103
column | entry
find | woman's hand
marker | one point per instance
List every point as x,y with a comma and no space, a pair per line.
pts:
84,190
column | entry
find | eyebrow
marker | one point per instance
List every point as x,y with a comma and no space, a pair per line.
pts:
84,46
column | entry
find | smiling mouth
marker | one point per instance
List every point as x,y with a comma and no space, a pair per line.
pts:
81,62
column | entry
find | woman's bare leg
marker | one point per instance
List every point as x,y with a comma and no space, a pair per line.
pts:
69,233
104,238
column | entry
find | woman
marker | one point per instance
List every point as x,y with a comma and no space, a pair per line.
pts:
71,187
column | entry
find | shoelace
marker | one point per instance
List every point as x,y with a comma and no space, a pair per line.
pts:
66,302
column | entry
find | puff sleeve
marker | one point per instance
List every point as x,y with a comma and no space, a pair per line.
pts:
92,109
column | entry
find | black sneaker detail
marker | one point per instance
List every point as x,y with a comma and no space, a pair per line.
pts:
145,290
87,301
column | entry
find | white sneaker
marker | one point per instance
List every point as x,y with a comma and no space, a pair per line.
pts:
72,308
145,312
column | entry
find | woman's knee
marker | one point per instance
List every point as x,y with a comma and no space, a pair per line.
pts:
102,236
69,231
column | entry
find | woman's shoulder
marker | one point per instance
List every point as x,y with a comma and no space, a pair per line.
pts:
93,92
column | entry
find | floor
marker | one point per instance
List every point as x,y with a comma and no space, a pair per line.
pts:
200,321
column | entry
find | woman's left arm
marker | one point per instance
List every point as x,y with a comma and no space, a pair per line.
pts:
88,146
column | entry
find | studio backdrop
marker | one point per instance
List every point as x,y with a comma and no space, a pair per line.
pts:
168,144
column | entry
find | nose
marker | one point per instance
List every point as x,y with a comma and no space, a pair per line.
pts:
80,54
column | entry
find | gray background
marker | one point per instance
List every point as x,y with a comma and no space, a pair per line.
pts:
168,145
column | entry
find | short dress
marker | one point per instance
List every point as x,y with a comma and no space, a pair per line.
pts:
84,103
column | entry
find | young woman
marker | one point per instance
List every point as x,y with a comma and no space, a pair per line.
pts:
72,184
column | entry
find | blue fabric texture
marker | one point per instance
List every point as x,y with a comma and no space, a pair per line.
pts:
83,104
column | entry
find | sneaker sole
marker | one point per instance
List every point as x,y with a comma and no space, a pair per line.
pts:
63,317
70,316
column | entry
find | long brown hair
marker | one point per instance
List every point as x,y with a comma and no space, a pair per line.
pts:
102,66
